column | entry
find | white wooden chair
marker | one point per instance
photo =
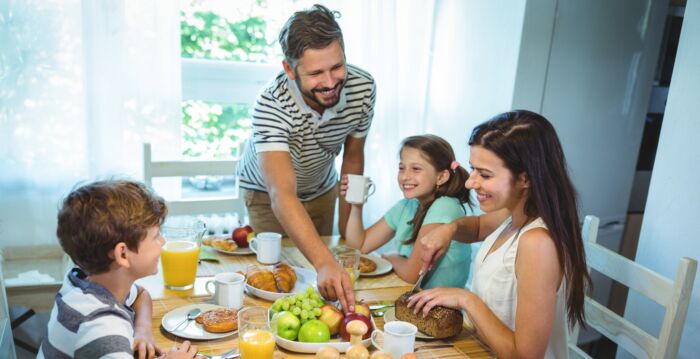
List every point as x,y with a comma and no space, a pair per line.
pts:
7,345
674,296
200,205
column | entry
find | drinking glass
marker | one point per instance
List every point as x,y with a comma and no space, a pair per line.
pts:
255,336
180,254
349,259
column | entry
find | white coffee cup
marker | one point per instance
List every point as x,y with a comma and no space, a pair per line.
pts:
267,246
399,338
359,189
228,289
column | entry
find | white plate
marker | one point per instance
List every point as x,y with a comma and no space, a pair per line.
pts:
390,316
238,252
312,348
383,266
305,278
191,330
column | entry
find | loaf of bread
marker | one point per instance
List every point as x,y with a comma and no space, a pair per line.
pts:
441,322
218,320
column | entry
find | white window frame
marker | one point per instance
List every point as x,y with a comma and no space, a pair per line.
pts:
225,81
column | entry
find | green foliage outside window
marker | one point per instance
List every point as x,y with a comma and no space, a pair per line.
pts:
209,129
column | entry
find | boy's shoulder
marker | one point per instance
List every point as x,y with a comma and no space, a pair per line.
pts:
87,298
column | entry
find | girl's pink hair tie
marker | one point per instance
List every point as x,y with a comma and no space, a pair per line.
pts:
454,165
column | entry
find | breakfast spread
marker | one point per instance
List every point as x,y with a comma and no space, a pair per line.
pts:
281,279
218,320
441,322
367,265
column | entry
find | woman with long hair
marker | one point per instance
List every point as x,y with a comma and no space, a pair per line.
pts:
530,273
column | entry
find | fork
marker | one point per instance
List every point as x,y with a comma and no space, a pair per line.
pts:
233,353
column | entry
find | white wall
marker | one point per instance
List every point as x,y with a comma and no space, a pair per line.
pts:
475,56
669,230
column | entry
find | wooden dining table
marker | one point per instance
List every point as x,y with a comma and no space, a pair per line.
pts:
372,290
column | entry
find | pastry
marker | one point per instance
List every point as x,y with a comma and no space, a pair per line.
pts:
285,277
261,279
367,265
221,244
441,322
281,279
218,320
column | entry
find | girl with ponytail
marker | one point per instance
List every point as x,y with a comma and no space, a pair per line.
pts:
432,183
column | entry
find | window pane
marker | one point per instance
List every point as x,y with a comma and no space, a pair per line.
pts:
214,130
228,30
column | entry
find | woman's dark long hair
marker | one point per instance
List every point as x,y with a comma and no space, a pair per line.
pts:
440,155
527,143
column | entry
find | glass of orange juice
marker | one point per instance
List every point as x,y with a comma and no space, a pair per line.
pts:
349,259
180,254
256,340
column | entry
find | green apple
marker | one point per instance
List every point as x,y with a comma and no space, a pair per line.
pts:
314,331
286,325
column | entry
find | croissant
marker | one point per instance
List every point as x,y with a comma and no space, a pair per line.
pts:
261,279
285,276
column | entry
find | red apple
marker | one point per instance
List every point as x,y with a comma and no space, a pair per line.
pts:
240,235
332,317
354,316
362,308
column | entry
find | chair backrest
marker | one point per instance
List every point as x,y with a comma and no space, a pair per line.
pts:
186,168
674,296
7,345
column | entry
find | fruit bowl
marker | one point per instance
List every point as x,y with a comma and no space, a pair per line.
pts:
312,348
285,320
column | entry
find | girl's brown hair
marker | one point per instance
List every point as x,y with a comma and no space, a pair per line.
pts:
527,143
441,156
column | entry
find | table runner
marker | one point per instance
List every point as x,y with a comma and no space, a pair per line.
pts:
293,256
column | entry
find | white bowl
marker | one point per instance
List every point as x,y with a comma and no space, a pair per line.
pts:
312,348
305,278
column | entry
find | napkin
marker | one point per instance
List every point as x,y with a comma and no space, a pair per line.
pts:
208,254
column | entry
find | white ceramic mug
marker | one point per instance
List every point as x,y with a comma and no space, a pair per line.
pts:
228,289
267,246
399,338
359,189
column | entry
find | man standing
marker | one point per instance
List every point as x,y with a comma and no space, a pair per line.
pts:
317,106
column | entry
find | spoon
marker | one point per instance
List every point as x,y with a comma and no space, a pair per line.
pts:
190,316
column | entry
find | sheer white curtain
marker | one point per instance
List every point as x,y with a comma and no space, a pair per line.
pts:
82,85
393,41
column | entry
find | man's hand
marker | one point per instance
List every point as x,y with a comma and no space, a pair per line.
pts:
435,244
144,345
334,283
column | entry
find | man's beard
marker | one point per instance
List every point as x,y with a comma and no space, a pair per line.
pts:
311,95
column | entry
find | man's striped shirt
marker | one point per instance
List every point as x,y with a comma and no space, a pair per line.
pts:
88,322
282,121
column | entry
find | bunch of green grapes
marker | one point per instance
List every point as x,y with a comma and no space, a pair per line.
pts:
306,306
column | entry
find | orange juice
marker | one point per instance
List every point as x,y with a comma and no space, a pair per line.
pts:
257,344
179,259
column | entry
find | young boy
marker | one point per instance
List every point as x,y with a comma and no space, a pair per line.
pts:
111,231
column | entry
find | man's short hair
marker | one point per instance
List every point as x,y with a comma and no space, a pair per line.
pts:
95,217
314,28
